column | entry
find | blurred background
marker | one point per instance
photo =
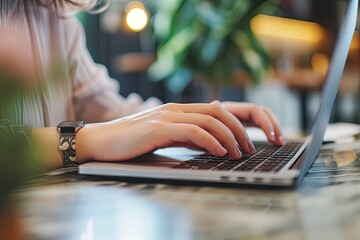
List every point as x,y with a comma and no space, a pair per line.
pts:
274,53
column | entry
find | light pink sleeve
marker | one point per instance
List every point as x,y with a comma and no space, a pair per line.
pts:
95,94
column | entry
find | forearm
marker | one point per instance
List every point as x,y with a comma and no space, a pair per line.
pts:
109,105
46,141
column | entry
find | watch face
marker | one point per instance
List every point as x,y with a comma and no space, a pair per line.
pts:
71,123
70,126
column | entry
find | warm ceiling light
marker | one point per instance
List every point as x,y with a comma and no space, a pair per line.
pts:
136,16
320,63
287,28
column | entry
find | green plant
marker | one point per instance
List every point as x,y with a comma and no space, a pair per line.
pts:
17,161
210,38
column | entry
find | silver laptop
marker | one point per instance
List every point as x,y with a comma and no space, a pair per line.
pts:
275,166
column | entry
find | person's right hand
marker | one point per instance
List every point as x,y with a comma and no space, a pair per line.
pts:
207,126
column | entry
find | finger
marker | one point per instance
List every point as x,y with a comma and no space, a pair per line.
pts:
219,112
240,110
181,133
212,125
262,120
279,140
236,127
258,116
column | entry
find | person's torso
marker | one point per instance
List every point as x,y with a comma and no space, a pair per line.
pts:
51,101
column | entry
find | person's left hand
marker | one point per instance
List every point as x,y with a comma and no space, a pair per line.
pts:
254,115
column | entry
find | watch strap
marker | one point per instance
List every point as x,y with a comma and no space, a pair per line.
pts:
67,149
67,146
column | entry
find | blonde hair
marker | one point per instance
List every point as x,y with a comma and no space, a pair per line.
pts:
65,6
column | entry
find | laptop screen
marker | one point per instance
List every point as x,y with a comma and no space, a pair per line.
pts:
331,85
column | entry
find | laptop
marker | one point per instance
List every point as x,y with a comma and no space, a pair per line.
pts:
270,166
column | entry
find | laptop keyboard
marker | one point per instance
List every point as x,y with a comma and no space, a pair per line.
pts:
267,158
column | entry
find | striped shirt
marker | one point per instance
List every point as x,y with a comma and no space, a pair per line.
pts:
72,85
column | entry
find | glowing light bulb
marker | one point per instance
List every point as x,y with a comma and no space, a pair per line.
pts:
136,17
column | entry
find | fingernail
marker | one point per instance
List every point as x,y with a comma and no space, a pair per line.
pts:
251,146
238,152
222,151
272,133
282,139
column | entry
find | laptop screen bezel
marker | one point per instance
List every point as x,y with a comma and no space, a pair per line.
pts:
330,88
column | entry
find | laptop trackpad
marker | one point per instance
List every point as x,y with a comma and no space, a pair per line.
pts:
167,157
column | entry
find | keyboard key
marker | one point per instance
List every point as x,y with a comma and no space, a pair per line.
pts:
264,168
224,167
207,165
182,166
244,168
268,158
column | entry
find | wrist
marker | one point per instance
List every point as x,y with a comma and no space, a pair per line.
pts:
84,146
